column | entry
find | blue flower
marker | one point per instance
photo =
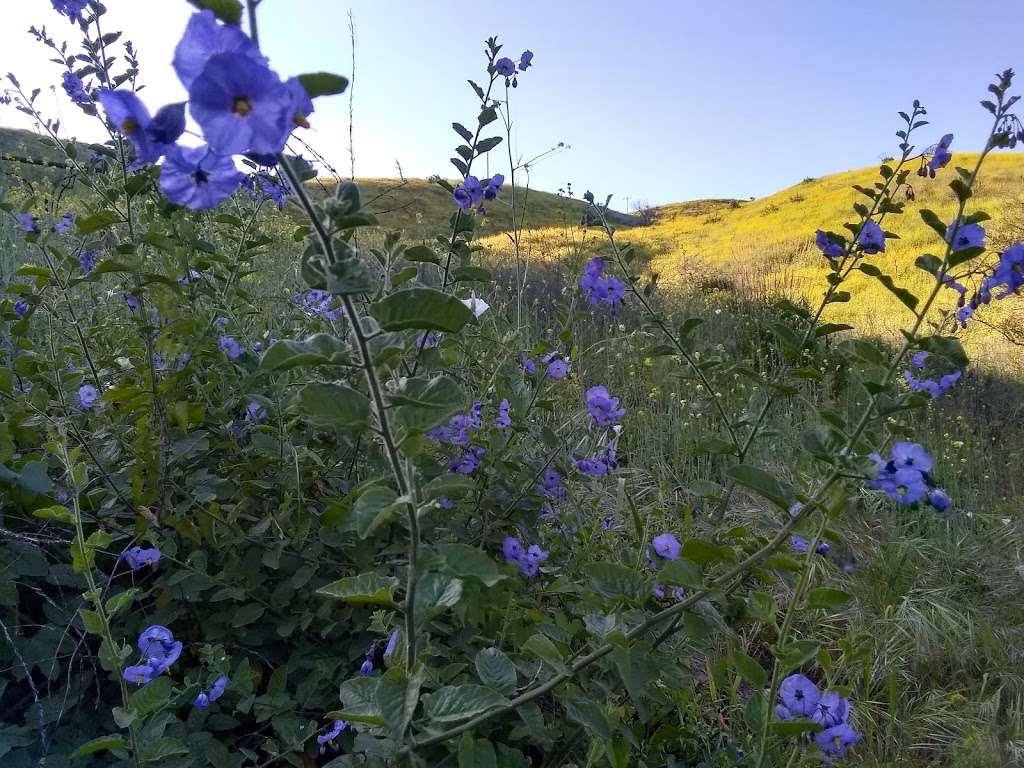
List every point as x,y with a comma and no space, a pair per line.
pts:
241,105
131,119
528,364
300,106
392,644
366,668
137,557
157,644
331,733
204,38
963,236
604,408
493,186
871,238
828,247
1009,273
87,260
503,419
75,88
799,695
87,395
529,563
940,154
198,179
230,347
938,499
167,125
798,543
73,9
468,463
132,301
835,741
505,67
205,698
65,223
599,288
28,224
318,303
254,412
666,546
911,455
597,466
551,483
558,369
140,674
462,198
525,60
427,340
832,710
512,549
21,307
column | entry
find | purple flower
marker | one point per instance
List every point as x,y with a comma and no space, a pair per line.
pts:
503,419
597,466
220,323
73,9
254,412
75,88
230,347
366,668
907,486
198,179
21,307
525,60
468,463
940,154
558,369
823,548
204,698
604,408
551,483
938,499
318,303
528,364
87,395
799,695
667,546
462,198
204,38
158,646
392,645
65,223
919,358
167,125
262,187
835,741
241,105
132,301
87,260
332,733
140,674
1009,273
300,106
131,119
798,543
829,248
137,557
871,238
911,455
529,562
512,549
505,67
426,340
28,224
832,710
963,236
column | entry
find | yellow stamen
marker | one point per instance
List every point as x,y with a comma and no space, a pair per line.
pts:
241,106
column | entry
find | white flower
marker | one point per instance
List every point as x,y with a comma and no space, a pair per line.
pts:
479,306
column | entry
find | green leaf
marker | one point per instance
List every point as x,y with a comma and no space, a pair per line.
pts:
797,653
162,748
97,221
151,696
323,84
228,11
318,349
496,670
589,714
827,598
118,603
797,727
421,253
682,572
449,484
542,647
469,562
421,308
434,593
476,753
453,703
98,745
486,145
764,484
478,274
57,512
366,588
423,404
334,405
463,131
749,669
761,606
247,614
615,581
373,508
91,621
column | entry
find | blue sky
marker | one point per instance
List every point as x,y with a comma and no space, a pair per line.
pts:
659,100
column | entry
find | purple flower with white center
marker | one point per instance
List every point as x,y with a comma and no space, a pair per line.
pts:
21,307
505,67
87,395
75,88
799,696
832,710
137,557
938,499
829,248
198,179
28,224
906,486
503,419
64,223
468,462
204,38
835,741
940,154
798,543
87,260
328,736
962,236
871,238
666,546
525,60
603,407
241,105
558,369
528,364
230,347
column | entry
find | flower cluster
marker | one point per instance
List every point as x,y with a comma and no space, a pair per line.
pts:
550,484
509,69
601,289
205,698
459,428
468,462
137,557
799,697
377,653
318,303
828,243
933,387
604,409
241,105
159,651
599,465
504,419
73,9
472,192
940,157
528,559
904,476
75,89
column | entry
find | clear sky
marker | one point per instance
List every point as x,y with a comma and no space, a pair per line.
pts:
662,100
